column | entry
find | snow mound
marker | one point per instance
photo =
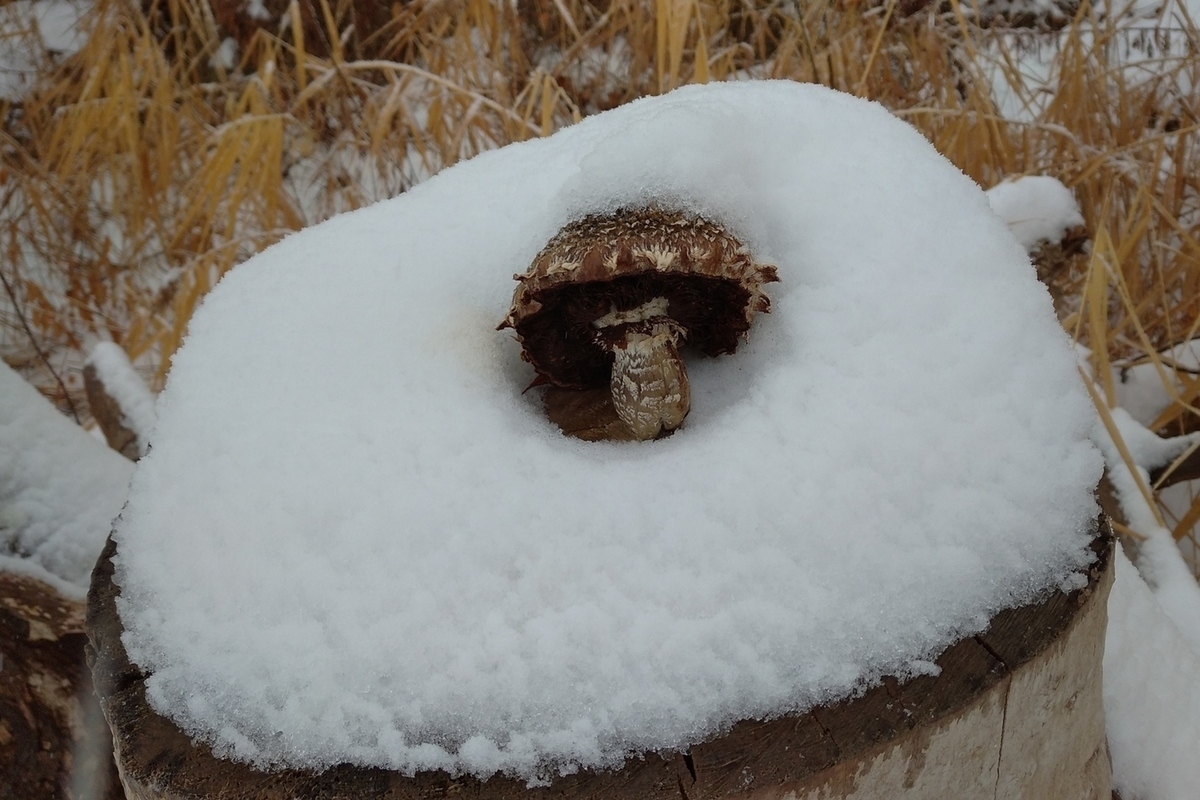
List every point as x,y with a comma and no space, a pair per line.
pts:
59,487
356,539
1037,208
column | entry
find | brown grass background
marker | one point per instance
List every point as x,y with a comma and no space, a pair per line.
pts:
137,171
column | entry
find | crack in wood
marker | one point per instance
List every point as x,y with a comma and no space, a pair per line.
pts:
682,790
1003,733
992,651
837,748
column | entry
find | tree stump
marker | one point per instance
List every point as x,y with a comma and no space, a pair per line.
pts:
1016,712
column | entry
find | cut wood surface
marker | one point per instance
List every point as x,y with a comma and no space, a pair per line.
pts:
1016,712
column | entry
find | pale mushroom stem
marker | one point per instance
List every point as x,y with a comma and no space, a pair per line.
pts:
649,381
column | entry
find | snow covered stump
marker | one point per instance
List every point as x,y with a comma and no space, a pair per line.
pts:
359,560
1016,713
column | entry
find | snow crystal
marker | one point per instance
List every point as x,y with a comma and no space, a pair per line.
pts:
357,538
1037,208
59,488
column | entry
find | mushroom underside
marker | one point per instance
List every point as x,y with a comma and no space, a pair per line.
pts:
611,299
568,350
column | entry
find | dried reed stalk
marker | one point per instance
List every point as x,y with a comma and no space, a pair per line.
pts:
139,170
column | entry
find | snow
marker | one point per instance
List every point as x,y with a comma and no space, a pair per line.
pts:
1146,42
1146,448
1152,646
123,384
1158,557
226,54
59,28
256,9
60,489
1141,389
1043,10
1151,695
1036,208
356,538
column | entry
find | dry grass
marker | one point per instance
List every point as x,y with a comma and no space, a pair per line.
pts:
139,170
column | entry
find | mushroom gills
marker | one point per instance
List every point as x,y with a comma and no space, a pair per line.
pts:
649,382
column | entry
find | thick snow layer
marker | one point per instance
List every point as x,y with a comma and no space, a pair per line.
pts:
356,538
123,384
1151,695
59,488
1037,208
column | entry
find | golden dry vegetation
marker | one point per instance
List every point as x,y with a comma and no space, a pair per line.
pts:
137,171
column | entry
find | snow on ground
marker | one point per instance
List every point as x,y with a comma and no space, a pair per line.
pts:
1142,392
1159,559
361,540
1151,695
1152,646
1140,389
1146,448
60,31
60,489
1145,41
1036,208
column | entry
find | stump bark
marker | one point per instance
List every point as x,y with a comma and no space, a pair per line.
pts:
1016,712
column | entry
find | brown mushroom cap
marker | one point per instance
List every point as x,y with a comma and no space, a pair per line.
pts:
620,262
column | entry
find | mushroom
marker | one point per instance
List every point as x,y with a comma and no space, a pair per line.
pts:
612,297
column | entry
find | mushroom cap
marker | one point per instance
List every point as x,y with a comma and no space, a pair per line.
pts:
620,262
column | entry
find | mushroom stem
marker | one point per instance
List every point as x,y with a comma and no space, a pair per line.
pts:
649,381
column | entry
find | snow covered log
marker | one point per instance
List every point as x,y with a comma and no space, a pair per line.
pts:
1016,712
